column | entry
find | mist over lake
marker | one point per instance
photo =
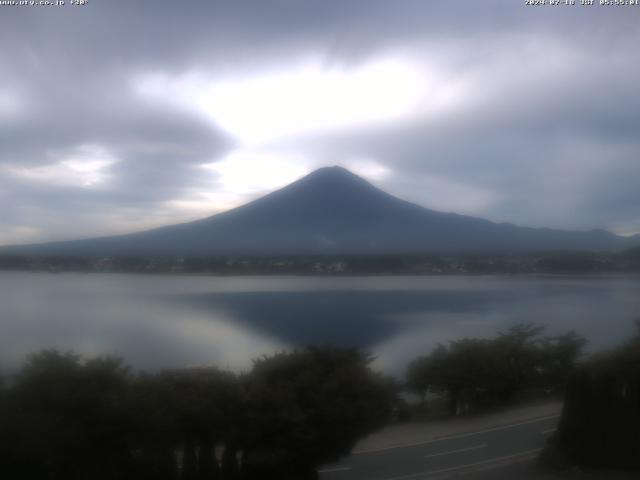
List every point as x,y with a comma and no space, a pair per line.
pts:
163,321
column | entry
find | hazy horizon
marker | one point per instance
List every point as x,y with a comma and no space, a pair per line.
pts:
251,200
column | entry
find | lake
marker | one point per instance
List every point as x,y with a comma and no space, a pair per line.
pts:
160,321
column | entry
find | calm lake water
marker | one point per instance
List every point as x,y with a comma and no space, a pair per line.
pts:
157,321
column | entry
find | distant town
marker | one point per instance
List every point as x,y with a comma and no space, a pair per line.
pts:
544,263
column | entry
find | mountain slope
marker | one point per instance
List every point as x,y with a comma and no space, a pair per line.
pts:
333,211
635,251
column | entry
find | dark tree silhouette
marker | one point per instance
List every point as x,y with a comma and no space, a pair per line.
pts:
478,373
600,423
67,418
310,407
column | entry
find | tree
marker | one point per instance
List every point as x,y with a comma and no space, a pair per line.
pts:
427,373
477,373
67,419
600,423
559,356
309,407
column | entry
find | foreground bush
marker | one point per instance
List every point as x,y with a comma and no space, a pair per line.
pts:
63,417
600,424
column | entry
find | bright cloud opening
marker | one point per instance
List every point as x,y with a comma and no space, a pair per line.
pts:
238,178
309,98
284,104
367,168
247,171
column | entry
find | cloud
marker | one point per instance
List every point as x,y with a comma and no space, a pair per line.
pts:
109,112
308,98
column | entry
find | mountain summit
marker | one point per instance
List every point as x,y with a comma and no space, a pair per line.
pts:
331,210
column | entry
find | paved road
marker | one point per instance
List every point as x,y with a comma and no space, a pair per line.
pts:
472,454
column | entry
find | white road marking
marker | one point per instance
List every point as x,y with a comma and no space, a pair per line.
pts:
546,432
468,465
454,437
337,469
451,452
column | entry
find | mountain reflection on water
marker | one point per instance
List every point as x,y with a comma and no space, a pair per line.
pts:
172,321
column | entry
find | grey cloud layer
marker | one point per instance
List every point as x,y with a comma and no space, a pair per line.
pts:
550,134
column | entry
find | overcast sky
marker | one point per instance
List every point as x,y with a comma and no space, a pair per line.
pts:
123,115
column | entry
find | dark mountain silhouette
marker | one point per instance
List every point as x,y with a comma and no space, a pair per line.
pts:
330,211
